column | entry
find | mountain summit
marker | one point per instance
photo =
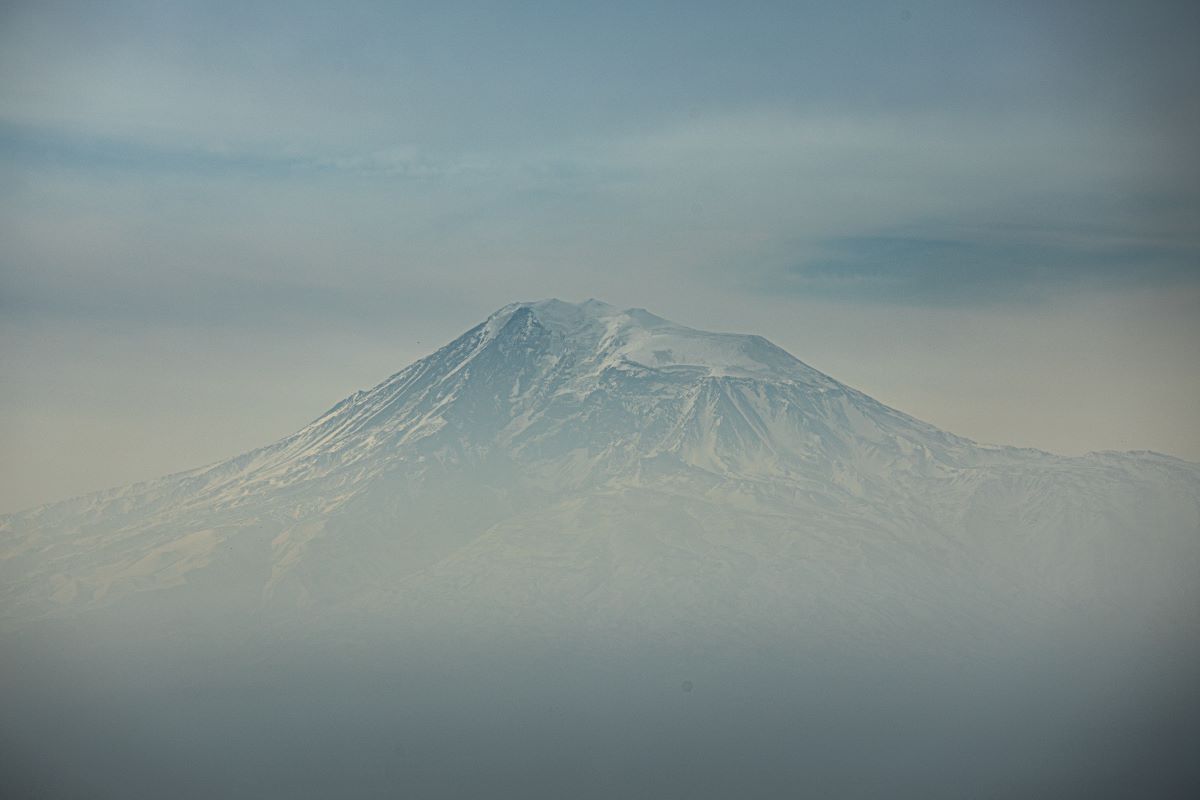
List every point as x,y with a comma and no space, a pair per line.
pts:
576,465
605,336
566,394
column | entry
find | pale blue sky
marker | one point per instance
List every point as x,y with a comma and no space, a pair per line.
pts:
218,218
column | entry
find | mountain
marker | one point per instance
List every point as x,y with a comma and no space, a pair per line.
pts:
582,465
586,552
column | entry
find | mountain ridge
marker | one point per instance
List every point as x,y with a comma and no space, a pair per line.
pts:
545,408
505,313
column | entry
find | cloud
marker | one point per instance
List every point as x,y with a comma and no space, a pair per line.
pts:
915,208
914,269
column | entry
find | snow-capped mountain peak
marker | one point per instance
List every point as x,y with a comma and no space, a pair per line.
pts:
636,336
580,446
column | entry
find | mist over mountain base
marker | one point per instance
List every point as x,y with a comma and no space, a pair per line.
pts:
103,710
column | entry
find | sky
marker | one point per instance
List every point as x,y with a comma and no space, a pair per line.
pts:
219,218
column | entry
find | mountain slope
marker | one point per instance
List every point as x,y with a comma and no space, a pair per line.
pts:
568,465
